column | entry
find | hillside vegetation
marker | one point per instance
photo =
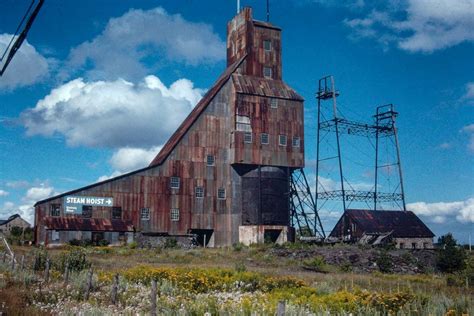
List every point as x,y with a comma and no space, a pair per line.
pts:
299,279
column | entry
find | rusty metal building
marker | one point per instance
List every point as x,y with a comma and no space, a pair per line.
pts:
403,228
223,175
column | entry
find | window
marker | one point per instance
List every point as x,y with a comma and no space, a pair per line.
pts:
174,214
426,245
55,210
87,211
248,137
55,235
267,72
199,192
413,245
264,139
210,160
174,182
221,194
267,45
282,140
274,103
402,245
145,214
296,142
116,212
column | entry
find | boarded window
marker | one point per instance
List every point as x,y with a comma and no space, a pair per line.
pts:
243,123
296,141
264,139
87,211
274,103
174,182
267,72
210,160
55,235
174,214
248,137
282,140
199,192
267,45
145,214
55,210
116,212
221,193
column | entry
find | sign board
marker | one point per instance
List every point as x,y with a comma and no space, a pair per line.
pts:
73,204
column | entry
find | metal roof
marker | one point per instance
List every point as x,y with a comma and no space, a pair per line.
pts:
402,223
88,224
6,221
264,87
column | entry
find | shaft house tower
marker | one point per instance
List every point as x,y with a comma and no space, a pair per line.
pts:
224,175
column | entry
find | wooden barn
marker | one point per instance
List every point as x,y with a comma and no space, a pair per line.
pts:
403,228
223,175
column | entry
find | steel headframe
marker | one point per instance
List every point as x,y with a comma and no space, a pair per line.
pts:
384,127
303,212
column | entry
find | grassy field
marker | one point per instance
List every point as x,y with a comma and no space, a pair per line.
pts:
227,281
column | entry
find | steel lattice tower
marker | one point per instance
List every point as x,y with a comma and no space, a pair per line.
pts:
383,129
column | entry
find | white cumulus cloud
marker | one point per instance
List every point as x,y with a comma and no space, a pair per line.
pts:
468,97
3,193
425,26
440,212
129,159
26,68
113,114
127,41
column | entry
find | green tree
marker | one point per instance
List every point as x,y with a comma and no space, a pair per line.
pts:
451,257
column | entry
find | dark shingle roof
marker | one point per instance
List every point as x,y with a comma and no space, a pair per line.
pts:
403,224
6,221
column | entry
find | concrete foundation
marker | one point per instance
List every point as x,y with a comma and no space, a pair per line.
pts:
259,234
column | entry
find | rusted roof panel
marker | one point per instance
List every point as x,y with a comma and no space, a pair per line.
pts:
403,224
252,85
88,224
195,113
266,24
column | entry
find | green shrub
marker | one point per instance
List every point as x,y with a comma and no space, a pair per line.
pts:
75,259
238,246
384,261
41,255
451,258
103,242
132,245
240,267
318,264
170,243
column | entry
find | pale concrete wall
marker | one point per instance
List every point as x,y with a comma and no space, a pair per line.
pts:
419,243
255,234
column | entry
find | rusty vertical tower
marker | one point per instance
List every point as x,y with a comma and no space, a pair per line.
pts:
331,123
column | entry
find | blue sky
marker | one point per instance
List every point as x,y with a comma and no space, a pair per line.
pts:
98,88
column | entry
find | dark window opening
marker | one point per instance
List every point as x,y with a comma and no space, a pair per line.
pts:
267,45
248,137
87,211
174,182
199,192
221,193
264,139
145,213
55,210
174,214
116,212
271,235
210,160
267,72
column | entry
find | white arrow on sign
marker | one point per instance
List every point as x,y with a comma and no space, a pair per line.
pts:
109,201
